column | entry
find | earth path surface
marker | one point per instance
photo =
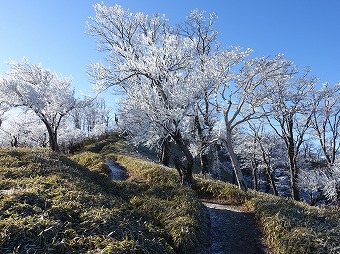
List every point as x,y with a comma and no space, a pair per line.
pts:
231,231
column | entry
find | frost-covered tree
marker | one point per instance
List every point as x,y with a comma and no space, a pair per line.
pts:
70,137
241,93
32,88
155,69
326,121
199,28
22,129
321,183
90,113
291,113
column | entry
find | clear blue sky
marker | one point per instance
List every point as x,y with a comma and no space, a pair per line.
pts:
53,32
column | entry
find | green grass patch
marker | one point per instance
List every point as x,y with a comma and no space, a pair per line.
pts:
92,161
175,207
150,172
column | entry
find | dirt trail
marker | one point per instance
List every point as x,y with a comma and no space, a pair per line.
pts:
232,231
117,172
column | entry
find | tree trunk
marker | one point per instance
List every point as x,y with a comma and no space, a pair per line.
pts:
54,142
52,138
272,182
269,173
255,175
204,163
293,171
267,185
185,171
14,141
203,156
165,153
234,161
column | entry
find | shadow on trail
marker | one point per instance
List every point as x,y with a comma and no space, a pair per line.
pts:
232,231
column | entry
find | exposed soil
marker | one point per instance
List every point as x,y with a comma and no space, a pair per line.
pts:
231,231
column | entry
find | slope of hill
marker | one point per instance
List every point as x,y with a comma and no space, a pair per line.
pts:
49,203
58,204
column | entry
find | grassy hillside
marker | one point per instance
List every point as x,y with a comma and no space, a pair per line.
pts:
58,204
50,203
288,226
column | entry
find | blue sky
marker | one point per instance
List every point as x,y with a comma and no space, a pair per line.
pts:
52,33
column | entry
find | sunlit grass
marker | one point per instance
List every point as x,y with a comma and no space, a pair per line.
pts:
58,204
50,203
288,226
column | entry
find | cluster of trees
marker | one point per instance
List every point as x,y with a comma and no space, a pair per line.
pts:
39,109
187,96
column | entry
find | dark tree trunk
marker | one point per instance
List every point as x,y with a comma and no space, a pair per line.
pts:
255,175
165,152
202,153
204,163
184,171
53,140
14,141
292,154
293,171
272,182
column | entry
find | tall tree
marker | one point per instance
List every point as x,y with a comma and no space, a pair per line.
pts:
33,88
153,67
199,29
240,94
291,114
326,120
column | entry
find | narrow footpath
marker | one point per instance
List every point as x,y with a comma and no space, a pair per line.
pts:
117,172
232,231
